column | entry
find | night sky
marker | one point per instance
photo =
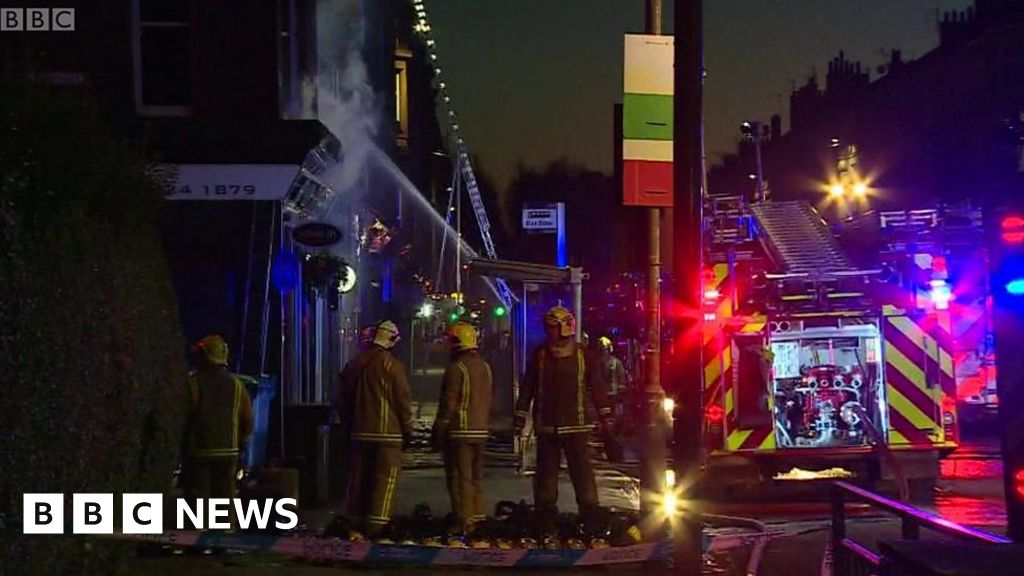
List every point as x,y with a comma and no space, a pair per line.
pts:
535,80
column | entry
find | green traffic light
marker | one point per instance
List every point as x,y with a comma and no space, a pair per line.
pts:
500,311
454,316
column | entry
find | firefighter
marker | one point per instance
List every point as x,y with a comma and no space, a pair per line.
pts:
614,376
218,424
558,378
375,396
460,429
613,373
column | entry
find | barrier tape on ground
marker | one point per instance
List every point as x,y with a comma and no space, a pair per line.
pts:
334,549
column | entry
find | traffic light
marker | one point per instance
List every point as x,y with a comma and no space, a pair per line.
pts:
500,311
1006,260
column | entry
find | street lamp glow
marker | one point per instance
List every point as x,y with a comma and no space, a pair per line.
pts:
668,405
836,190
860,189
426,310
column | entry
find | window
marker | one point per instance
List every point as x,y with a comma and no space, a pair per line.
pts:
162,57
402,103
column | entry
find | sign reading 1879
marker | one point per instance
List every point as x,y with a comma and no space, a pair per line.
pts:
210,190
225,181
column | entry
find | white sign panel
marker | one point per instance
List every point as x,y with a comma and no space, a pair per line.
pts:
787,359
648,65
540,219
226,181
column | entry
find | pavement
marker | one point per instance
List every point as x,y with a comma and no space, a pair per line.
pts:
970,493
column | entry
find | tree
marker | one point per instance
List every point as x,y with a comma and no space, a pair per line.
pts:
91,362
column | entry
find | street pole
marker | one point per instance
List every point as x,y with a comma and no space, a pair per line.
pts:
757,154
655,437
688,370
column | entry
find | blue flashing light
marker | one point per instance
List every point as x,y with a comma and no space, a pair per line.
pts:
1015,287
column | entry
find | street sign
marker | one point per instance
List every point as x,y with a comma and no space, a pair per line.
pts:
540,219
316,234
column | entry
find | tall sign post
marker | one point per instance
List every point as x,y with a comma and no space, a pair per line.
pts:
548,219
687,374
1005,227
647,181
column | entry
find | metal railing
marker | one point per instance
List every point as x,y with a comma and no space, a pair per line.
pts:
851,558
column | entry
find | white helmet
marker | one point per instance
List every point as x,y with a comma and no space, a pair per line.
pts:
387,335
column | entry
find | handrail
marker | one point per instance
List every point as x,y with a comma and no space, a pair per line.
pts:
921,517
850,557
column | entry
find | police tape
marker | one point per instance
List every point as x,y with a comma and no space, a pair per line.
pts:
337,550
334,549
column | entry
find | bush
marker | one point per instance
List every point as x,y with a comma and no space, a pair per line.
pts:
91,362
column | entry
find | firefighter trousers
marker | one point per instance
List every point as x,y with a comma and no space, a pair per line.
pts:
464,470
576,448
373,482
210,478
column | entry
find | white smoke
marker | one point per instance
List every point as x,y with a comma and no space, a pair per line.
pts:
346,104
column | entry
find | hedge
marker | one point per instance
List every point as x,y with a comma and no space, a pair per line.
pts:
91,362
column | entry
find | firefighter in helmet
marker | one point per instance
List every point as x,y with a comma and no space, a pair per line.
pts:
460,430
376,399
218,424
559,378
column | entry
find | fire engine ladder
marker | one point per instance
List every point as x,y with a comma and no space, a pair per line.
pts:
798,238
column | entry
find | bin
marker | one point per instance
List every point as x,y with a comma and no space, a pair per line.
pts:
261,391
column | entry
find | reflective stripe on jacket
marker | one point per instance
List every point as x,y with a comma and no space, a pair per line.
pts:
375,398
464,411
220,419
564,392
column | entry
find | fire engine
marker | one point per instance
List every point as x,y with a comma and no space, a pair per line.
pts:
817,360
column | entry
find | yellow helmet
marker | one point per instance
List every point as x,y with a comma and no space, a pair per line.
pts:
386,335
214,349
561,317
606,342
462,336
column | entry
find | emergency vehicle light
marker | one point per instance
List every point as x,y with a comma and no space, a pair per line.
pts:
940,294
1012,229
1015,287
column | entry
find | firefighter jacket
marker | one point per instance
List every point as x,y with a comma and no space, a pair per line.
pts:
464,411
375,400
565,389
219,419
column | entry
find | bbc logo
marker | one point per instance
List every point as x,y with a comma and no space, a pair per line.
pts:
37,19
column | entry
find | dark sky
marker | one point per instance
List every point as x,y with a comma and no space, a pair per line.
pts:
536,79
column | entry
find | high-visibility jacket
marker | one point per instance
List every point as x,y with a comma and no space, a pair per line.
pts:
220,418
464,411
375,400
565,391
